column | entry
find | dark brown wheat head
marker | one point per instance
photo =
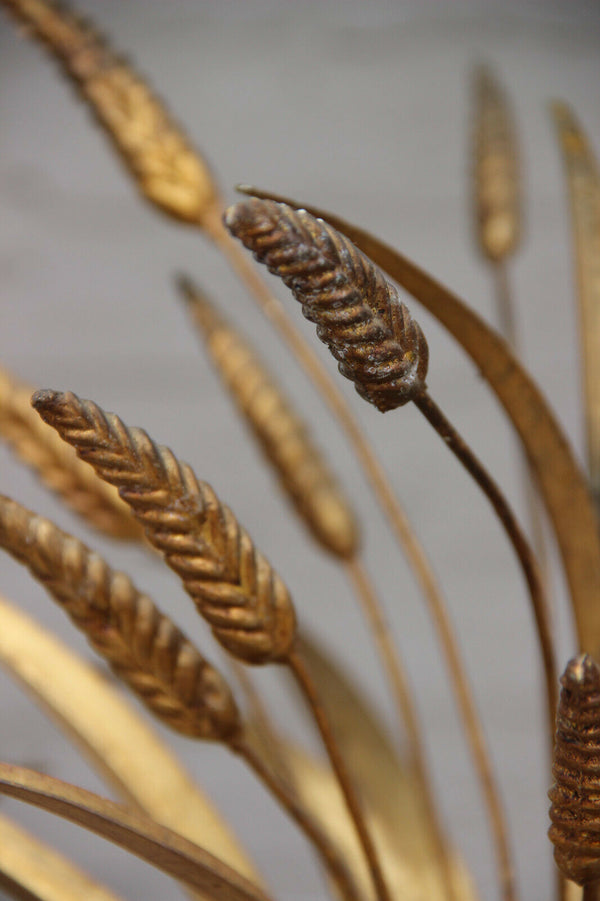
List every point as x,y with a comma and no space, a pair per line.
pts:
357,312
233,586
575,796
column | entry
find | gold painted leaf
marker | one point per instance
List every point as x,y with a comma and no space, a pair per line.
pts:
157,845
394,807
32,871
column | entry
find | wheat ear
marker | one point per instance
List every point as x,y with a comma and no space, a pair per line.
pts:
575,796
168,171
357,312
284,437
233,586
58,465
142,645
496,175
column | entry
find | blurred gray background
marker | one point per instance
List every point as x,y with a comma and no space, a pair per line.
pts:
364,109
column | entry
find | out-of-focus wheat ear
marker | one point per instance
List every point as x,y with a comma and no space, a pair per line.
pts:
583,181
58,466
357,312
233,586
496,175
142,645
284,437
575,796
168,171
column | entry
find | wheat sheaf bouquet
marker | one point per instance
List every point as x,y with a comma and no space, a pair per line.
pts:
363,803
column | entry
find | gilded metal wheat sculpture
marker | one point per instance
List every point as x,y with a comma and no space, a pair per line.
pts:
127,486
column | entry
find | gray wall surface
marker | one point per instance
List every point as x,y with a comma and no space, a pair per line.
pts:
362,108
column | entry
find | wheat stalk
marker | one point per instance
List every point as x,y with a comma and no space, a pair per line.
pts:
284,437
357,312
142,645
58,465
168,171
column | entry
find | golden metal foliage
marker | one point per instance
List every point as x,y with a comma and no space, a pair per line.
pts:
234,587
143,646
575,796
301,467
357,312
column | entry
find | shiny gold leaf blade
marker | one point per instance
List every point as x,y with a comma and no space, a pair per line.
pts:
396,809
410,872
168,171
58,466
583,180
32,871
105,727
563,488
496,171
157,845
303,473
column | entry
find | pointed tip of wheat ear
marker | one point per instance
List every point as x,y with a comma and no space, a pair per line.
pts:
581,672
46,399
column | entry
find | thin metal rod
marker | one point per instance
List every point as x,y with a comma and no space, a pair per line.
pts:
311,696
475,468
285,795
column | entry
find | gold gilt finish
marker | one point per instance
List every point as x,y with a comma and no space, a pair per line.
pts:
57,464
302,470
347,814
